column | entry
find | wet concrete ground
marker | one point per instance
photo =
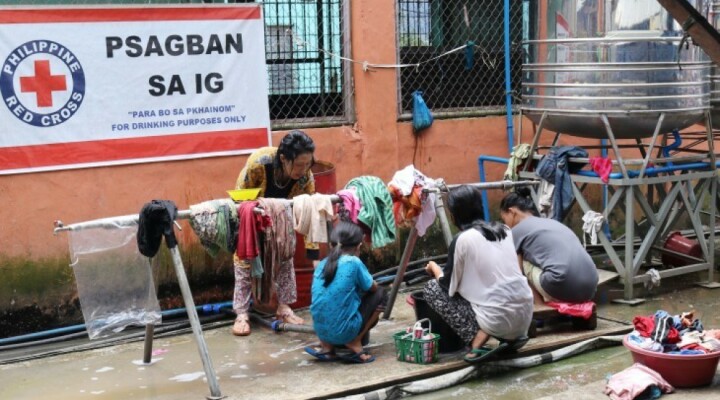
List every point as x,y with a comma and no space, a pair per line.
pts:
583,377
266,365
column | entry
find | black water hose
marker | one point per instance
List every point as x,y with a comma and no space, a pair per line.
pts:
40,337
178,328
410,264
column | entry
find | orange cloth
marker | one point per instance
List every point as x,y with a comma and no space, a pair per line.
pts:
405,208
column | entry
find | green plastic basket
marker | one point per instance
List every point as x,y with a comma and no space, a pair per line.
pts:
418,351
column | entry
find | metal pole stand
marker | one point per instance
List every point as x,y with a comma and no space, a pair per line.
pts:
195,324
661,188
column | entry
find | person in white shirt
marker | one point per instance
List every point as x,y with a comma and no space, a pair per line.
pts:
481,291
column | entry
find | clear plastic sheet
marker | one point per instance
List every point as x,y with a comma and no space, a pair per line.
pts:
114,281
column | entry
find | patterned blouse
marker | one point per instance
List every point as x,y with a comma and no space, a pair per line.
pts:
255,173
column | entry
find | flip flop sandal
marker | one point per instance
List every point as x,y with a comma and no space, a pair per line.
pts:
516,344
290,318
329,356
485,353
356,358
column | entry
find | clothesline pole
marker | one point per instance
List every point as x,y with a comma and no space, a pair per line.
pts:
195,324
444,224
128,220
407,252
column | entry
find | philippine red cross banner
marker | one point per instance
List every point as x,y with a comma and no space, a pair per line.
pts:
86,87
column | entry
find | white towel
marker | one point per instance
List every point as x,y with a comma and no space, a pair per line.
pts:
592,223
310,215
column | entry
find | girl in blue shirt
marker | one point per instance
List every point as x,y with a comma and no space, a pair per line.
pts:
346,301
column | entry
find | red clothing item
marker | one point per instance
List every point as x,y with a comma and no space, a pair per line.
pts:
695,346
644,325
250,224
583,310
405,208
602,167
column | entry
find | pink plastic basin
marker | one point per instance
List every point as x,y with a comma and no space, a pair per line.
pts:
679,370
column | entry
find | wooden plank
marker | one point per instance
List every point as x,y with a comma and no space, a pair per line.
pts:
533,347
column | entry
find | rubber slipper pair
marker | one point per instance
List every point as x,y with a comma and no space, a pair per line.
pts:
356,358
327,356
485,353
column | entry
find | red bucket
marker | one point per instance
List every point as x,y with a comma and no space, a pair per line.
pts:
680,244
681,371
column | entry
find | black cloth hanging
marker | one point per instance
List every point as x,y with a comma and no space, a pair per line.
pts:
156,221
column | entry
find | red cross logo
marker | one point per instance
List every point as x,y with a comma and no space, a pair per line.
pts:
43,83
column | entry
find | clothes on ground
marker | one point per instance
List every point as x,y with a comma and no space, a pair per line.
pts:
412,207
602,166
592,224
555,168
568,272
519,154
633,381
376,211
487,275
335,308
311,214
350,206
249,225
653,279
215,223
583,310
155,221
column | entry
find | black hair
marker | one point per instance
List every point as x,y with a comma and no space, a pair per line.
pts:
344,238
292,145
521,200
465,205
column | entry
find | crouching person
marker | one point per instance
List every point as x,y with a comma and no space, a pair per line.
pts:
346,301
481,291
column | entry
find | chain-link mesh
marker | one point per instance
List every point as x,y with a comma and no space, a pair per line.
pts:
308,85
462,82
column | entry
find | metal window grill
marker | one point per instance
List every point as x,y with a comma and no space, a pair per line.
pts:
308,86
453,85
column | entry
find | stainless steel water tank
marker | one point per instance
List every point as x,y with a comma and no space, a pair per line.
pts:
619,58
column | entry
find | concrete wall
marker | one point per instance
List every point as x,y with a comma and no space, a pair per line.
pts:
33,262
